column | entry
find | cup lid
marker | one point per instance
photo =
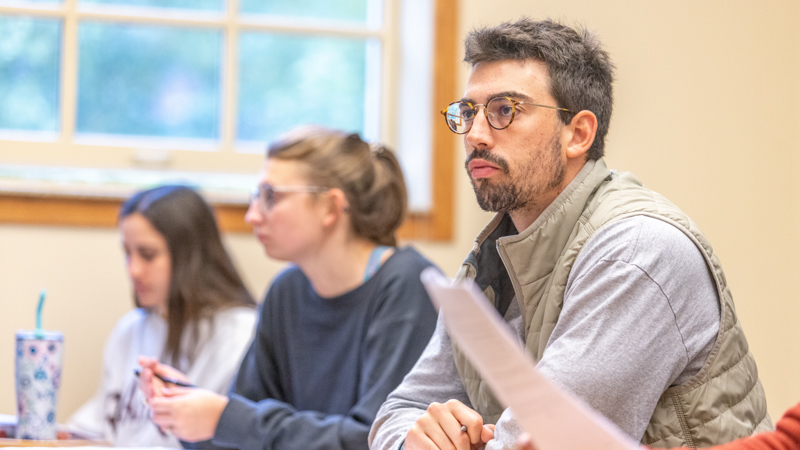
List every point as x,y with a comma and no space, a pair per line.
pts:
47,335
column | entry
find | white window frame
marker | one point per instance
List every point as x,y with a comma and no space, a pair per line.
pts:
68,148
65,149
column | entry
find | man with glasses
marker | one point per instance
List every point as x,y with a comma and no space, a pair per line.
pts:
612,288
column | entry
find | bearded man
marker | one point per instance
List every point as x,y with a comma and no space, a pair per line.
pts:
609,286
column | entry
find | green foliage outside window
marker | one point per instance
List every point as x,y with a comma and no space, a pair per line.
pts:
148,80
288,80
355,10
214,5
29,64
166,80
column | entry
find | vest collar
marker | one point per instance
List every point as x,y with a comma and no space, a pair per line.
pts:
532,254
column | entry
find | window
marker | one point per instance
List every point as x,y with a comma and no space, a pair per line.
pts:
122,92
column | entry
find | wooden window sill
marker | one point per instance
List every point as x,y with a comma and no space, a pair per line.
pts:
102,212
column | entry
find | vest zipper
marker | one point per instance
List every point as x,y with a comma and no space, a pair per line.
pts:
514,282
687,437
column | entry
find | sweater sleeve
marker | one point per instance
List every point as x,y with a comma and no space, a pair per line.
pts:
396,335
785,437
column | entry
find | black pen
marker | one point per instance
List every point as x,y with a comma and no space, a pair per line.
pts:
137,371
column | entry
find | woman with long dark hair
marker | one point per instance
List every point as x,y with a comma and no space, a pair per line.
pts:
192,312
340,327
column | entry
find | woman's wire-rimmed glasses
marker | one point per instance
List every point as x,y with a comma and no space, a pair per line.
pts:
264,194
499,112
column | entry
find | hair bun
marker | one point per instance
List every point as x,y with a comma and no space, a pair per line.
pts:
354,137
367,172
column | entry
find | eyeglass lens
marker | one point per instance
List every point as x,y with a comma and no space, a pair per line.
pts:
264,196
499,111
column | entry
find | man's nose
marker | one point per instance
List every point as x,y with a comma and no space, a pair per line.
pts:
480,134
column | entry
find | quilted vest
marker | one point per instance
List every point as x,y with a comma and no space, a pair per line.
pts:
722,402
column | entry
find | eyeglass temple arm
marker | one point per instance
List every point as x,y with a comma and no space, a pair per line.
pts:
550,107
299,188
545,106
444,111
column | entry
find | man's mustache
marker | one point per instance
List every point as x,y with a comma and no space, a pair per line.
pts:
486,155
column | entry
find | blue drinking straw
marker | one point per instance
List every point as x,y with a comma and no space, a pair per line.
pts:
39,333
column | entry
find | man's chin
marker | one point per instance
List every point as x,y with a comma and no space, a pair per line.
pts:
486,200
495,198
488,207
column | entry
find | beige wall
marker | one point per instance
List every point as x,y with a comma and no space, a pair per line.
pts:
707,104
706,107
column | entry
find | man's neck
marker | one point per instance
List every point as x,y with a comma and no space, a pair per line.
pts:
523,218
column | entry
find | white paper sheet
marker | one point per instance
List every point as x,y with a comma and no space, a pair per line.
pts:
555,419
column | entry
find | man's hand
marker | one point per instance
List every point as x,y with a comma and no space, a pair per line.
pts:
191,414
440,429
151,385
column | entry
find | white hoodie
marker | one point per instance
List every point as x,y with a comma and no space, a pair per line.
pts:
118,412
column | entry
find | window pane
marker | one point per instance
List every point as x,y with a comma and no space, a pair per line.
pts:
288,80
214,5
322,9
29,64
148,80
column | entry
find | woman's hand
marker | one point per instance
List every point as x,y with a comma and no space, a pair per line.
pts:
191,414
151,385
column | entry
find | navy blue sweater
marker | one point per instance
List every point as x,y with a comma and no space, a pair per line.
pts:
319,368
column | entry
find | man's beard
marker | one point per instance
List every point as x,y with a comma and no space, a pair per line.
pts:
518,192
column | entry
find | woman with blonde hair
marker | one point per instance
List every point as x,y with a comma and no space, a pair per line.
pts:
340,327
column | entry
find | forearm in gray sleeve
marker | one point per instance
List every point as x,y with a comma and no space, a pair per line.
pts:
434,378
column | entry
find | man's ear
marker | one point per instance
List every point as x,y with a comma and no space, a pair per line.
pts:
580,133
335,207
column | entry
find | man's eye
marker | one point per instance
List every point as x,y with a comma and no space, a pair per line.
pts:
505,110
468,114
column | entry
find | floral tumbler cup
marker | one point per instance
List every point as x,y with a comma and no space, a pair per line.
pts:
39,358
